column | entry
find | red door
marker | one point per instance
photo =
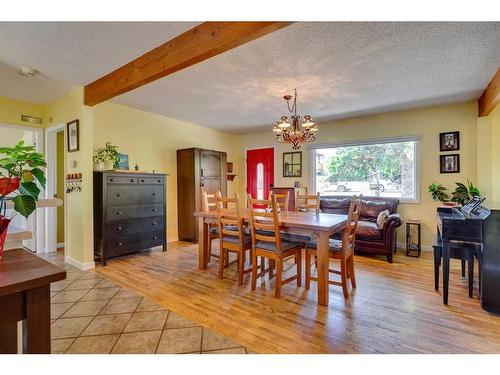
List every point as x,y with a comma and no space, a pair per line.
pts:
260,172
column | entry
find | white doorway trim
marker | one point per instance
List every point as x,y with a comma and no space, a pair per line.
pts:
35,223
51,190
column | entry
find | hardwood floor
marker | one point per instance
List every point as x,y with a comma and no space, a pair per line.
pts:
393,310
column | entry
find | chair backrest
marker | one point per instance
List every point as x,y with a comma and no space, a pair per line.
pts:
307,203
349,232
208,201
229,215
265,222
282,199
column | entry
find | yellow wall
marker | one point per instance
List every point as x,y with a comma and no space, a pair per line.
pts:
151,141
60,185
11,111
78,205
488,157
426,122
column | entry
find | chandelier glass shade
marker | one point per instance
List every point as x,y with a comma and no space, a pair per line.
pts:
293,130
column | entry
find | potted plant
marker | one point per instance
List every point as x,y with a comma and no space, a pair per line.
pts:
463,193
438,193
20,169
107,157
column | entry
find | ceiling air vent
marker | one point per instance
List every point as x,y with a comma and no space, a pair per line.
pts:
31,119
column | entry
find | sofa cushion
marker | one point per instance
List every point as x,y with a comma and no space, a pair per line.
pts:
368,230
371,209
334,205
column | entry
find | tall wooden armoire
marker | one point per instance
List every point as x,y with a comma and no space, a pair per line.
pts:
197,169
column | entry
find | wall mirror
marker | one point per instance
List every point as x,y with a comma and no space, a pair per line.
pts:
292,164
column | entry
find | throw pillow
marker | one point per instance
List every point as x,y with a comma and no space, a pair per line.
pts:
382,217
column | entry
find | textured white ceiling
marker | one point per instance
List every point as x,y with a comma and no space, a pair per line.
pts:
340,69
68,54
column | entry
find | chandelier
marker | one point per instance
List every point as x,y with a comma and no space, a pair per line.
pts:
292,133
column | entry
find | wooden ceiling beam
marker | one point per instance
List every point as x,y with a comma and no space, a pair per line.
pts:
195,45
490,96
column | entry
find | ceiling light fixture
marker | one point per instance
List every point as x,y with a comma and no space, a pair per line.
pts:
287,132
27,71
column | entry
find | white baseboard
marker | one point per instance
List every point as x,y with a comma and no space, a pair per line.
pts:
60,244
79,265
402,246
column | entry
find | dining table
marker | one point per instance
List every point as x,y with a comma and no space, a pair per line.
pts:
320,225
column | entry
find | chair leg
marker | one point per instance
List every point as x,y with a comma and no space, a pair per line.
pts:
222,262
298,262
343,274
279,276
254,269
241,266
209,246
351,271
308,269
271,269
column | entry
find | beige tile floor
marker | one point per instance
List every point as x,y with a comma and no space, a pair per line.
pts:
95,316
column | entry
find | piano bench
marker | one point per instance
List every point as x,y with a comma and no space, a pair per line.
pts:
462,251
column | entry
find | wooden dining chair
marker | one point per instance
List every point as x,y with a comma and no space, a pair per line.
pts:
208,203
341,250
232,235
308,203
267,243
282,199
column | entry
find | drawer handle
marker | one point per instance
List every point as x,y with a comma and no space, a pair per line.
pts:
119,229
132,180
142,180
120,244
155,237
118,212
158,180
111,180
154,209
154,223
118,194
154,194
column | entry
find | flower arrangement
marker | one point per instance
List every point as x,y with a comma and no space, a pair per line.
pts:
108,154
20,170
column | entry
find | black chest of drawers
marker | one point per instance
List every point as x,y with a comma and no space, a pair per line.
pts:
129,213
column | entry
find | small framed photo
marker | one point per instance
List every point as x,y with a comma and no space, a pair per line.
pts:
449,163
449,141
73,133
123,162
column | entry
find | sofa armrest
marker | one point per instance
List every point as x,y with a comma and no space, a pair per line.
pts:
392,223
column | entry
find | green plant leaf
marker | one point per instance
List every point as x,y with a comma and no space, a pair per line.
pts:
39,175
29,188
24,204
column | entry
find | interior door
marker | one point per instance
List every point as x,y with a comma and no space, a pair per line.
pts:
260,172
211,166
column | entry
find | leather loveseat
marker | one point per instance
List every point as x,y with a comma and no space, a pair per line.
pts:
369,237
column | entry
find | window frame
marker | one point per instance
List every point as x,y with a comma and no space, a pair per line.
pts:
411,138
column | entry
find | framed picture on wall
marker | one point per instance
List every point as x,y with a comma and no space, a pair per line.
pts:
449,163
449,141
73,132
292,164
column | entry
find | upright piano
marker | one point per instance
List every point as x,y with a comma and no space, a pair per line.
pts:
479,227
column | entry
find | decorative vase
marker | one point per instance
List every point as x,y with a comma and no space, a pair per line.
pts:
108,165
4,226
99,166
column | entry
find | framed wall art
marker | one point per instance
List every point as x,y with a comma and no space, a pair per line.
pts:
292,164
449,163
73,132
449,141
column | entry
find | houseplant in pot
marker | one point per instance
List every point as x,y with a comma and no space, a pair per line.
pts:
106,158
464,193
438,194
21,177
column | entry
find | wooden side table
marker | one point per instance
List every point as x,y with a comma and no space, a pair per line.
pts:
410,245
25,295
